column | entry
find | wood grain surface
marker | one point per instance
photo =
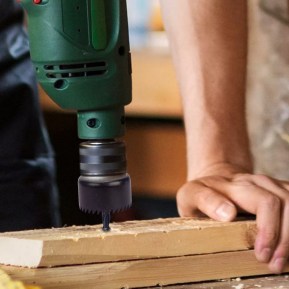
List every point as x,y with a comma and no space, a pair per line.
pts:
126,241
142,273
268,282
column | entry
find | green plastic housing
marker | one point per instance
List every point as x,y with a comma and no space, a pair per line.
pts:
80,50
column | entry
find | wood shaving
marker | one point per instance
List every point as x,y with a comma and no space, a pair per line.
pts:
239,286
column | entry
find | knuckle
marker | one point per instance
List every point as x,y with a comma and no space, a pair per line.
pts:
270,236
266,181
217,178
212,180
181,195
272,202
243,183
241,177
182,204
263,178
206,195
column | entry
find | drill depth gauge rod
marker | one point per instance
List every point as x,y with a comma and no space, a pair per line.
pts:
80,50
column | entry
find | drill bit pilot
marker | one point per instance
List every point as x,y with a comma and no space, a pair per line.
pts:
80,50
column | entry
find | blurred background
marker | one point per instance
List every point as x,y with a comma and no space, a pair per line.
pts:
155,135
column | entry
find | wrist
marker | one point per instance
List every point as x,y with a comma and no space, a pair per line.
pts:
224,169
213,148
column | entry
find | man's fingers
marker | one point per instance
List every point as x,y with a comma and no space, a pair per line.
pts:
195,197
281,253
215,205
256,200
267,198
281,190
278,188
185,203
268,224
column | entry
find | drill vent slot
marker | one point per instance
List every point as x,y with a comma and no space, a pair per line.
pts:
76,70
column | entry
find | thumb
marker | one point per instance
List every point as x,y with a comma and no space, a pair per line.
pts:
194,197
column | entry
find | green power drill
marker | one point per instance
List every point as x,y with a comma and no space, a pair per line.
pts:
80,50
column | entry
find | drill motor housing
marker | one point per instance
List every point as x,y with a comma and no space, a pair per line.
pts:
81,53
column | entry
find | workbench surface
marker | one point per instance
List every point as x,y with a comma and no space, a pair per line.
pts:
269,282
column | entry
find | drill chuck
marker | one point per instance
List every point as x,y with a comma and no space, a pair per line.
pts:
104,186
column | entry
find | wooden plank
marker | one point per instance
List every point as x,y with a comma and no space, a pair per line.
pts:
126,241
268,282
7,283
141,273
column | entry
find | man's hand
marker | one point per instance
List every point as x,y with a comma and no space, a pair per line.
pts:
224,190
209,47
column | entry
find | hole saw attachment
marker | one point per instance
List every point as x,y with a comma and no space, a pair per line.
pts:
104,186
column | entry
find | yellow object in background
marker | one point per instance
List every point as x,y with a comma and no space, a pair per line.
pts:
156,21
7,283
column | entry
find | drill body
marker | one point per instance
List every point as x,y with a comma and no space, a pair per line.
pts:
80,50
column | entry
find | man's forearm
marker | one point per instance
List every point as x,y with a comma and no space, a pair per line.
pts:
209,47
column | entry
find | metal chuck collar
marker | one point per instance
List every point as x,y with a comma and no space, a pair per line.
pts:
104,186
